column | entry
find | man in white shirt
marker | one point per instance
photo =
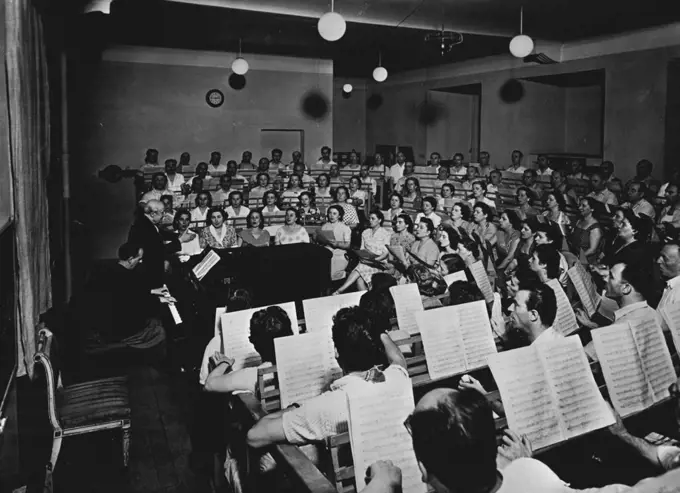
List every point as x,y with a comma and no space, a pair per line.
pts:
175,179
396,171
325,162
247,161
159,184
516,159
669,265
214,166
600,192
636,200
222,195
202,173
458,170
232,171
359,352
533,313
543,166
435,160
150,159
409,170
484,167
276,164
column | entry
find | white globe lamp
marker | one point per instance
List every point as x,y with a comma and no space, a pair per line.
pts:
240,66
521,45
332,26
347,88
380,74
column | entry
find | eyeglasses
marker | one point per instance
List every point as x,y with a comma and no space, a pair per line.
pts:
407,424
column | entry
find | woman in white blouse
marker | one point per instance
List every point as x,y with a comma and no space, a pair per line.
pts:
218,235
338,239
396,207
323,189
199,213
188,238
429,205
291,232
357,196
269,202
236,209
293,191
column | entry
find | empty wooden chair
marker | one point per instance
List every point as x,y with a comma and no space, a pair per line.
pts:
85,407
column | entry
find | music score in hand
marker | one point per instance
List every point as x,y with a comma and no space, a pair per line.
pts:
407,303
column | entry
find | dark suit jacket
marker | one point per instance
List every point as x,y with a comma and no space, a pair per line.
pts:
157,246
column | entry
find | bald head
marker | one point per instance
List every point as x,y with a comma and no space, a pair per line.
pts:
669,261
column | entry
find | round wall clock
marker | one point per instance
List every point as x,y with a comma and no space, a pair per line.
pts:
214,98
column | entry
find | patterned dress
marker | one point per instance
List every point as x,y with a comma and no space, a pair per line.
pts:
341,232
374,242
298,235
210,237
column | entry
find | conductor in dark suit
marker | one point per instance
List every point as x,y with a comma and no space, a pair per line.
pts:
157,244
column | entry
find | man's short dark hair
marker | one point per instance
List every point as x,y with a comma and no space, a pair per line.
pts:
461,292
640,277
552,233
128,250
265,326
379,304
277,150
542,299
357,340
456,441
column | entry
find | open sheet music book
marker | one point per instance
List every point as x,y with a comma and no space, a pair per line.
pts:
325,237
549,392
482,279
587,292
377,432
670,311
202,268
456,338
319,312
565,319
636,364
397,253
306,366
407,302
235,333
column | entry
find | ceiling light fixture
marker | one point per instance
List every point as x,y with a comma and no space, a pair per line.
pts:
331,25
103,6
347,88
380,72
240,65
521,45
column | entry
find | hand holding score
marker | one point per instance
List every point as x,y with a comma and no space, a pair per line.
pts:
384,473
513,447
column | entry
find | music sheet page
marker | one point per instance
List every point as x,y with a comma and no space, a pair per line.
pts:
377,432
580,404
527,398
482,279
407,303
670,311
654,355
497,320
442,342
473,321
565,320
629,391
304,365
319,312
219,311
585,288
397,252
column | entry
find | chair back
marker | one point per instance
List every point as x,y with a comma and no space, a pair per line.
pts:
268,391
342,462
43,357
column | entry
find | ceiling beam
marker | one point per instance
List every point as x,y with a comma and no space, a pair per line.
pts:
319,8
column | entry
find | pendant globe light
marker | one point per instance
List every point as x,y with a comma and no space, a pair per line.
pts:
380,72
347,88
331,25
240,65
521,45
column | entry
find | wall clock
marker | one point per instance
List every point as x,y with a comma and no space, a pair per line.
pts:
214,98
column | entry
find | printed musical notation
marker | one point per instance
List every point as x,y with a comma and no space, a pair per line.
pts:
482,279
585,288
408,303
319,312
565,319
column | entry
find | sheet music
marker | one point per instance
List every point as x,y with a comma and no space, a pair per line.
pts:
236,332
629,391
565,319
456,276
497,320
203,267
654,355
319,312
407,302
482,279
175,314
527,399
580,405
587,292
376,428
670,311
397,252
443,344
473,321
305,365
219,311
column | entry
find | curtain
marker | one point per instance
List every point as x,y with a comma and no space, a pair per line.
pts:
28,97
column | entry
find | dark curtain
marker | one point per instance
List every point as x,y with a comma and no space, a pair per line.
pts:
29,116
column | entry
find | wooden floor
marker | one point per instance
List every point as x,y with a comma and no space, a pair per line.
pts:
162,408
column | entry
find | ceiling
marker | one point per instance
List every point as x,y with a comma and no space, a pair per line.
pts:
487,25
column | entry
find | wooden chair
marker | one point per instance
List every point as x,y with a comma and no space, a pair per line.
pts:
268,389
85,407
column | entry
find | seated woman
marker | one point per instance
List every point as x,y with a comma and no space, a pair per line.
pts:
479,196
338,240
550,234
254,233
373,239
270,204
460,217
188,238
357,196
586,237
199,214
508,240
306,209
291,232
430,284
293,191
424,247
428,212
396,207
446,199
632,232
323,189
236,208
256,193
526,243
447,239
350,216
218,235
525,198
412,197
545,262
378,164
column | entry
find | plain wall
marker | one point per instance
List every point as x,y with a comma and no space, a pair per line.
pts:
349,117
119,109
451,129
672,150
634,109
583,120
